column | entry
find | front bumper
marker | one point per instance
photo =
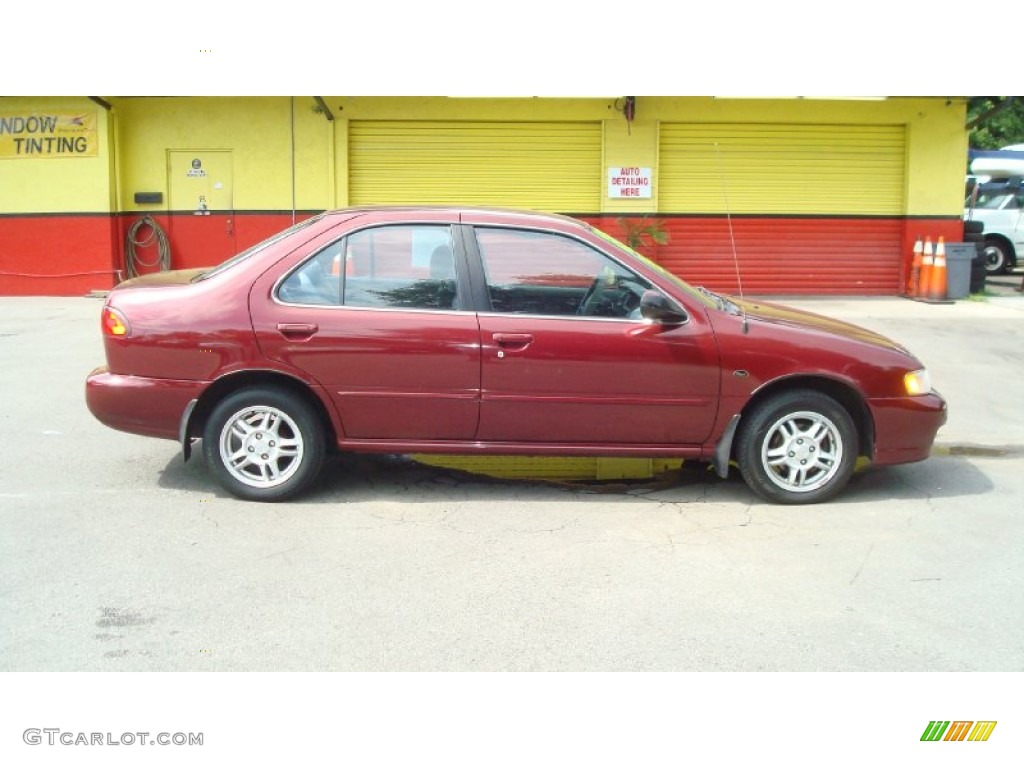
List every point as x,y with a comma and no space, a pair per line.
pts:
905,427
143,406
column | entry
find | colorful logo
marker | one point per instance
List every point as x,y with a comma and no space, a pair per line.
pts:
958,730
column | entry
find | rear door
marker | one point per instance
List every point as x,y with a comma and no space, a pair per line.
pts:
380,318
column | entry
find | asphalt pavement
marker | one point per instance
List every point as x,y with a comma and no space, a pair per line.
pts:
116,556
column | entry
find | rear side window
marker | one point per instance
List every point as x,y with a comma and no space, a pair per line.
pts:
402,266
317,280
393,267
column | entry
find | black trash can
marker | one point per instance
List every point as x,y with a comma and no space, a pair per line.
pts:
978,271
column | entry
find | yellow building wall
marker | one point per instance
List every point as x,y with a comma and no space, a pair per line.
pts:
630,145
936,134
259,131
263,134
58,184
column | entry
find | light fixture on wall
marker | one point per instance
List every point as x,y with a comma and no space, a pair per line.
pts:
627,106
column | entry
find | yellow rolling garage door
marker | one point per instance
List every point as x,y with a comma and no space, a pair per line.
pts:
782,169
815,209
547,166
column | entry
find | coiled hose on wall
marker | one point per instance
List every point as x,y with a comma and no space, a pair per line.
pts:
133,243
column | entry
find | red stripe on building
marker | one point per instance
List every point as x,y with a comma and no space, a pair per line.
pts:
66,255
790,255
70,255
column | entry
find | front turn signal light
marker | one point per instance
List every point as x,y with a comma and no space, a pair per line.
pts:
115,324
917,382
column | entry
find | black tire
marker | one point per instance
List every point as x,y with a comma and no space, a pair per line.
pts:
974,227
797,447
974,238
277,440
997,257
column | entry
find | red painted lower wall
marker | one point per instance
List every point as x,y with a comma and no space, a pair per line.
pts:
73,254
70,255
56,255
790,255
199,241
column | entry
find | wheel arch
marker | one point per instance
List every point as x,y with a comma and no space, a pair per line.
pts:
233,382
843,393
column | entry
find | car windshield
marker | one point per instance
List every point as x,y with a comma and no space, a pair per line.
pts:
990,201
249,252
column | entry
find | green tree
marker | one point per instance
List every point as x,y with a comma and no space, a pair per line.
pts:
641,235
995,121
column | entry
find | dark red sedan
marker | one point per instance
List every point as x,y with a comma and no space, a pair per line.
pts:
467,330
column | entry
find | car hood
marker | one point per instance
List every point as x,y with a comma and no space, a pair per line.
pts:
768,312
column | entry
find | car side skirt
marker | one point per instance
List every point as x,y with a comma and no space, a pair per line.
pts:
519,449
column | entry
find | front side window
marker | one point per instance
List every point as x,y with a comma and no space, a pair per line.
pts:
540,273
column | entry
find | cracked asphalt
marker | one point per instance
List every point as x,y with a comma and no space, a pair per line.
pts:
116,556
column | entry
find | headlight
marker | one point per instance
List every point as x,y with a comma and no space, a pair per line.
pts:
917,382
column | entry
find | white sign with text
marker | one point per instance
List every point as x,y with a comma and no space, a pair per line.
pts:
629,182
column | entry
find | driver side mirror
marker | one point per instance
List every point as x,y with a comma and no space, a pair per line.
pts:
656,307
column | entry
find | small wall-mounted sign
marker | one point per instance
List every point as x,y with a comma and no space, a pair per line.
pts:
629,182
54,134
149,198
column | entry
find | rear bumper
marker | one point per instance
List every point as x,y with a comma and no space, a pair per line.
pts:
905,427
143,406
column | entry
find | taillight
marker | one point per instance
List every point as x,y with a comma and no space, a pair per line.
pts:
114,323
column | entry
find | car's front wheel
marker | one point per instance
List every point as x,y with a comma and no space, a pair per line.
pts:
797,447
264,444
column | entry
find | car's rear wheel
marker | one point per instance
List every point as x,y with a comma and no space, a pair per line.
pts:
264,444
797,447
997,260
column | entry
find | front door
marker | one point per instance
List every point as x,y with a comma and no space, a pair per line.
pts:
567,359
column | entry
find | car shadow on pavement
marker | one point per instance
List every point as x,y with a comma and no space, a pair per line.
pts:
938,477
365,478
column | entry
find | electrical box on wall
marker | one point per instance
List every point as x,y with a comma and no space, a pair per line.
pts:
148,198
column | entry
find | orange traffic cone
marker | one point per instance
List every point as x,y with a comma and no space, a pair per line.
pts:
336,265
914,286
925,282
937,287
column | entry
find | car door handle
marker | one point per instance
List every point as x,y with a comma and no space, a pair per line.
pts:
297,330
519,340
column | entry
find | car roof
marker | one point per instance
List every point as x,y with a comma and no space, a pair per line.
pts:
467,213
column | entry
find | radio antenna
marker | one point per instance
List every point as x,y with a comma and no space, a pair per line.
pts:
732,236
